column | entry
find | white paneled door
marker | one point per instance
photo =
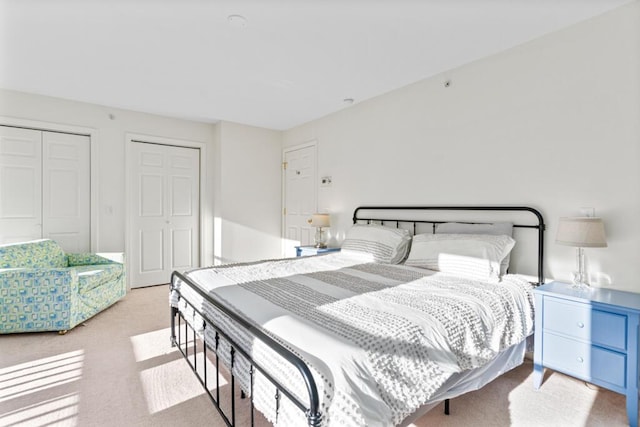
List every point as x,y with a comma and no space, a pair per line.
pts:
299,196
66,190
20,184
164,211
45,187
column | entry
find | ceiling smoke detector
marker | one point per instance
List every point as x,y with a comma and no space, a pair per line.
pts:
347,101
237,21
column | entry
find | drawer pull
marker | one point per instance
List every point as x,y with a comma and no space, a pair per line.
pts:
580,359
580,325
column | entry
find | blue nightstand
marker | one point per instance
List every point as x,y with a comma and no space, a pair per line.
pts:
312,250
591,335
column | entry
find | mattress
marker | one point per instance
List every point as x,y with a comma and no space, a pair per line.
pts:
383,342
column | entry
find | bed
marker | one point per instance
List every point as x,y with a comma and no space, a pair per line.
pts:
420,306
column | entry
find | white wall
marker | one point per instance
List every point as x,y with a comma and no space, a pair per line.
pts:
554,124
248,193
110,135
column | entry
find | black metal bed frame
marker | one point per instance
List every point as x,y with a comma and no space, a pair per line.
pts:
187,342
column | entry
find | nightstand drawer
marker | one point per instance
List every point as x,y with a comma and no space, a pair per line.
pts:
589,362
581,321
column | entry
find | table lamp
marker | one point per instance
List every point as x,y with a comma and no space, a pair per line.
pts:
581,232
320,221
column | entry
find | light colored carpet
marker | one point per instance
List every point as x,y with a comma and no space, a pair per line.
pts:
120,370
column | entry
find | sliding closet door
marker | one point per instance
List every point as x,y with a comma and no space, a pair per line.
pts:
20,184
165,211
45,187
66,190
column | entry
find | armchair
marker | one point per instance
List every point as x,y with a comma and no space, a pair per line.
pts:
44,289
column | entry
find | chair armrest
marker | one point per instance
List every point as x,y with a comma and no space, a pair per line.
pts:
21,279
78,259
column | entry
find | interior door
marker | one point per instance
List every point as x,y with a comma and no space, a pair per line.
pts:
66,206
300,196
165,212
20,184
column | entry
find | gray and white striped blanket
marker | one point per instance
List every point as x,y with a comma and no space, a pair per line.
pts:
380,339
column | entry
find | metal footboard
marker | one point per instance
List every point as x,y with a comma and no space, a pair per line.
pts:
184,336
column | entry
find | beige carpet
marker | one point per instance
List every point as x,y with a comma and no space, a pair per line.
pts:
119,370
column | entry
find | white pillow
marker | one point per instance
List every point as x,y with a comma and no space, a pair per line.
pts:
495,228
474,256
384,244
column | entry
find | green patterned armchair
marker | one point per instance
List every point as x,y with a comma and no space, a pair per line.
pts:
44,289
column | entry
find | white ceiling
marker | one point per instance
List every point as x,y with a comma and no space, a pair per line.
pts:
294,61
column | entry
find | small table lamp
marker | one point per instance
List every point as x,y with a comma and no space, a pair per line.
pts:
320,220
581,232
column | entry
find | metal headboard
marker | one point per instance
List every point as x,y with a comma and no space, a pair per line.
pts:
540,221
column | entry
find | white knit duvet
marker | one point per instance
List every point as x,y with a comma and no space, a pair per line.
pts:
380,339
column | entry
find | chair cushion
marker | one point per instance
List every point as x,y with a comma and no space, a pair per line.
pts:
35,254
93,276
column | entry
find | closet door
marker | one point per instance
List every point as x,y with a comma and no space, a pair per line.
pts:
165,212
66,191
20,184
45,188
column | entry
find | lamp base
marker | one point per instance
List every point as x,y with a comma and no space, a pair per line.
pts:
580,276
320,238
580,286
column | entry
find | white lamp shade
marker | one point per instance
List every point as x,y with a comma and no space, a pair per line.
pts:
583,232
319,220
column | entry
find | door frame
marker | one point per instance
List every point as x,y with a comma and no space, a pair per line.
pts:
309,144
131,138
92,133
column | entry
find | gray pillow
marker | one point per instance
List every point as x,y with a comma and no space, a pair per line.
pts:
384,244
